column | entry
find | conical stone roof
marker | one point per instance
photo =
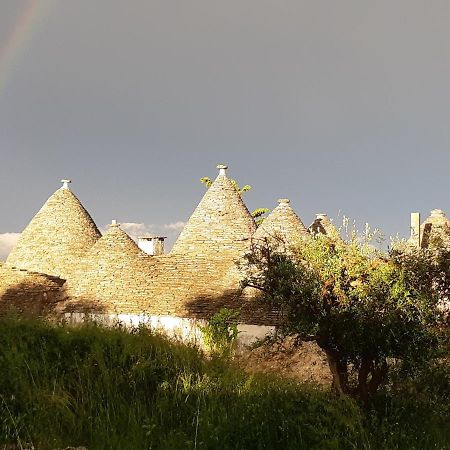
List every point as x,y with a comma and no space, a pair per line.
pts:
114,274
282,224
221,224
323,225
57,237
434,227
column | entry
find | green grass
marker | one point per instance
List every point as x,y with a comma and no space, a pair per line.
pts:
110,389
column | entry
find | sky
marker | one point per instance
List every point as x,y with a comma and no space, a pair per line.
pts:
343,107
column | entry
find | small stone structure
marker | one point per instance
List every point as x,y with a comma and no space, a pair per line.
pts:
435,226
282,224
28,292
152,245
57,237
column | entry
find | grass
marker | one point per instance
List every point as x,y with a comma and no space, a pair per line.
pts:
106,388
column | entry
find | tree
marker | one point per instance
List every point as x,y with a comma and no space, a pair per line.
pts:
356,302
428,268
258,214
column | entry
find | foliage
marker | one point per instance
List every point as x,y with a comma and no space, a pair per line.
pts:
428,269
64,386
413,412
221,332
258,214
358,303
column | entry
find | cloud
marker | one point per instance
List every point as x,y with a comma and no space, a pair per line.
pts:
7,242
136,230
178,226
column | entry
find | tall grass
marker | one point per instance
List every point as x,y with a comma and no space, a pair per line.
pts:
106,388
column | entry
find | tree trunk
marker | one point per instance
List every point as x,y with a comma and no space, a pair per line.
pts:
379,373
363,374
339,370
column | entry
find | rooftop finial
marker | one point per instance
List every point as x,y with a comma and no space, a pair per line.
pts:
284,201
437,213
66,183
222,169
114,223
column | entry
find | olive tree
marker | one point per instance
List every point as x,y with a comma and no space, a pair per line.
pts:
359,304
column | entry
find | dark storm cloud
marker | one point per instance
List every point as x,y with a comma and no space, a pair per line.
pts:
341,106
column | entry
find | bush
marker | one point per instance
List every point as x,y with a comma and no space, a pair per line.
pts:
221,332
107,388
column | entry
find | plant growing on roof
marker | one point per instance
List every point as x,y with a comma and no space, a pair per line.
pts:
258,214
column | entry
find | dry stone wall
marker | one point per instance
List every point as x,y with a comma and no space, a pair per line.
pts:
23,291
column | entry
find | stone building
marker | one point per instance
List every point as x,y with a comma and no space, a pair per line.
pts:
57,237
62,264
323,225
282,224
69,268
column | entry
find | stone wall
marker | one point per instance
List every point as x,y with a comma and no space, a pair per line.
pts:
188,330
23,291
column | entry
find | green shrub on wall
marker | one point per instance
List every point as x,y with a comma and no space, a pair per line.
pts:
221,332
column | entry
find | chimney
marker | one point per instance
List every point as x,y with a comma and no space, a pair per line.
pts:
152,245
222,169
65,183
437,213
415,228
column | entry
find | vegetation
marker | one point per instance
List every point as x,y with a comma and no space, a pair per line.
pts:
258,214
365,308
108,388
221,332
427,269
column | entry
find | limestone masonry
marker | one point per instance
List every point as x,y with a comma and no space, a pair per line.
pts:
62,264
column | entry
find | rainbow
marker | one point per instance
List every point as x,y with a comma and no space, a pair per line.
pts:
21,34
